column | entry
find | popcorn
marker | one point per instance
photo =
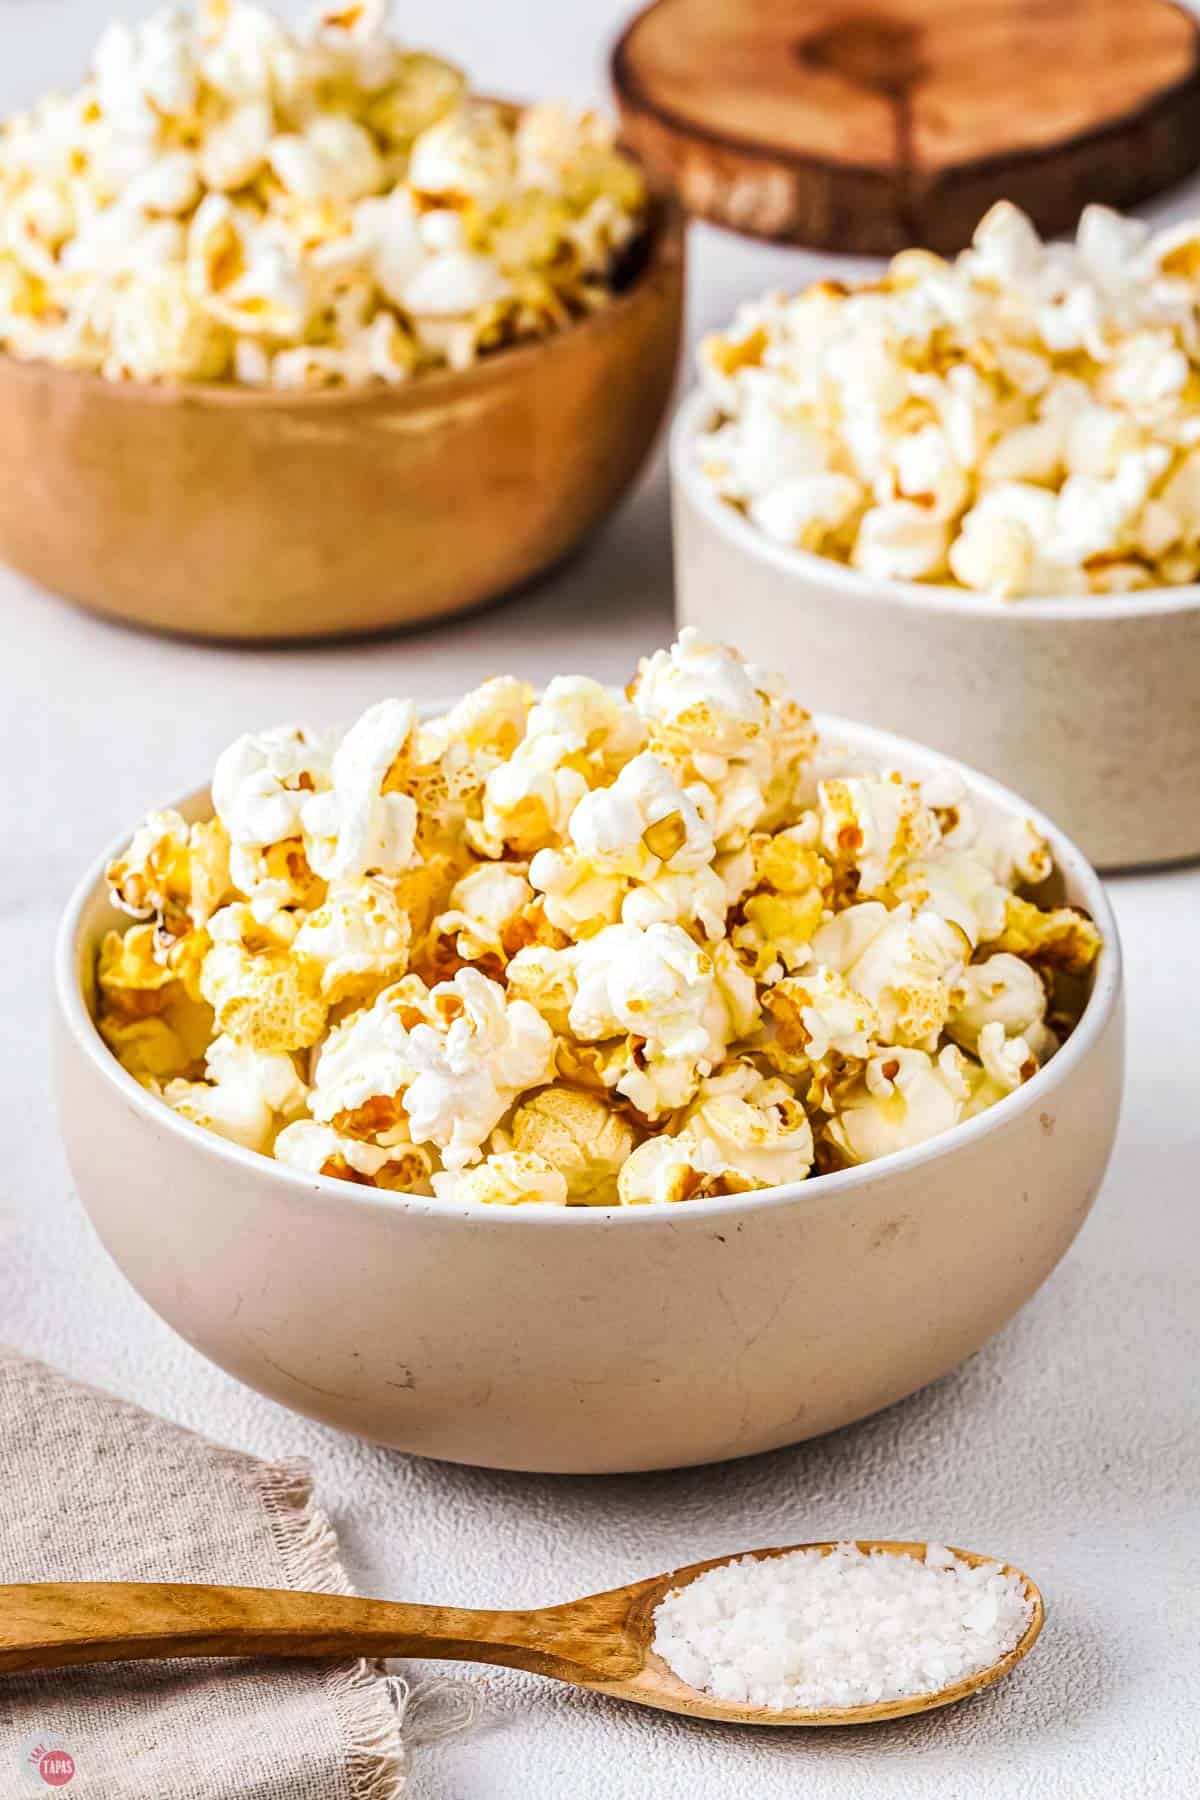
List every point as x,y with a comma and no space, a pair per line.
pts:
1016,422
578,736
904,1097
225,199
260,783
993,554
589,950
756,1121
1007,1061
261,994
422,90
808,512
717,720
701,700
1014,850
643,824
231,156
174,873
1002,991
1062,938
319,1150
697,900
147,1012
792,888
901,541
960,887
511,1178
643,829
259,787
872,827
468,156
903,963
677,1007
334,159
545,976
666,1170
744,1132
364,1065
247,1092
651,981
244,277
151,1049
454,754
531,797
480,1052
448,1062
132,979
456,297
491,913
359,938
578,1135
818,1016
359,825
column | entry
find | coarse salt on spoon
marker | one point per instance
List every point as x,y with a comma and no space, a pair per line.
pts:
603,1642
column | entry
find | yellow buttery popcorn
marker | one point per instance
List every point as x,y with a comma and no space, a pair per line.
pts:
262,995
580,1136
592,949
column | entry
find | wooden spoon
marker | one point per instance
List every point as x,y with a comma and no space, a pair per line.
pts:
601,1642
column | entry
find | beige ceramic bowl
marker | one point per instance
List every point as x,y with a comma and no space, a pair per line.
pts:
594,1340
1089,706
228,512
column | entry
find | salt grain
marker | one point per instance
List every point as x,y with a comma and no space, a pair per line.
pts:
811,1630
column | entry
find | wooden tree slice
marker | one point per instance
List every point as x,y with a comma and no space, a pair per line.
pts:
869,126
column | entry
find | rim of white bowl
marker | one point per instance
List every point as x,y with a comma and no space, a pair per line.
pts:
699,411
891,750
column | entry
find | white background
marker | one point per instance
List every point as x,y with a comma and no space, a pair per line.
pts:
1069,1444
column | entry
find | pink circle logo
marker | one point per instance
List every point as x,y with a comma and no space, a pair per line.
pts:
46,1762
56,1767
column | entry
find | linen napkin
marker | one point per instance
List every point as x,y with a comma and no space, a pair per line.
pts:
93,1488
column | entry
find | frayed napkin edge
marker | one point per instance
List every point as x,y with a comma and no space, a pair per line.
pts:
370,1704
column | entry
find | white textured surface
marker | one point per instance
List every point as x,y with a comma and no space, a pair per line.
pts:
1070,1445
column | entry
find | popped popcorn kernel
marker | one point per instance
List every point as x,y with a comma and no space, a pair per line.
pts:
871,827
319,1150
755,1120
787,893
1063,938
904,1097
261,994
592,949
153,1049
665,1171
580,1136
510,1178
492,913
1003,991
246,1095
359,936
175,873
149,1010
134,981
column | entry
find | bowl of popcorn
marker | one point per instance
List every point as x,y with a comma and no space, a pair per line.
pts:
590,1081
964,502
299,336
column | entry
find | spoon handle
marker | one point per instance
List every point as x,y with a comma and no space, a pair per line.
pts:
47,1625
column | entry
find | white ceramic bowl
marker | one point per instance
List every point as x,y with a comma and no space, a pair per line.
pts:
594,1340
1090,707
